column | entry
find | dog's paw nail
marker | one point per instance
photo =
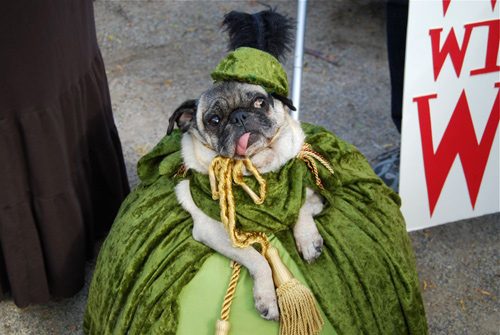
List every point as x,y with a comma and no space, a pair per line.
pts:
311,247
267,306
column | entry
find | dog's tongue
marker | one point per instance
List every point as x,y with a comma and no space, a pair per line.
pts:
241,147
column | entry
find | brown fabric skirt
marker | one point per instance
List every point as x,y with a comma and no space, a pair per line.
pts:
62,175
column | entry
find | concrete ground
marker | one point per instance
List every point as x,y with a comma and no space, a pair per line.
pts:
160,53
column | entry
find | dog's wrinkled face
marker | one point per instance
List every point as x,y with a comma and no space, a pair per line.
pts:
235,119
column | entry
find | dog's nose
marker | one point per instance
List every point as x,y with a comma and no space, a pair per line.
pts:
239,117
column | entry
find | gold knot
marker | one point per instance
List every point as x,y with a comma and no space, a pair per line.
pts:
223,171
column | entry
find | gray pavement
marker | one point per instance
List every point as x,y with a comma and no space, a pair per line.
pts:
160,53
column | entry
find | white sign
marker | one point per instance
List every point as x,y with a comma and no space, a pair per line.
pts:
450,134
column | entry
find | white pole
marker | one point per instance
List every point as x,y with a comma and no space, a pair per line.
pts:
299,56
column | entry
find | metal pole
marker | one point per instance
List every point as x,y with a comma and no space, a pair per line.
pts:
299,56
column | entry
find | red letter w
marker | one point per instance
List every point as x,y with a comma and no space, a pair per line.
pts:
450,47
458,139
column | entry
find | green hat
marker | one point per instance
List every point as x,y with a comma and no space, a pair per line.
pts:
253,66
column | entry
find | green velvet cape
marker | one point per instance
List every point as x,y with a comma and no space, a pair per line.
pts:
365,280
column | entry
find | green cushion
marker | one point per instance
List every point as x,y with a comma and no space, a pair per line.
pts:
201,299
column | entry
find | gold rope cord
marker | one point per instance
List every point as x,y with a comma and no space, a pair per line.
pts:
222,173
300,314
226,305
182,170
307,154
222,326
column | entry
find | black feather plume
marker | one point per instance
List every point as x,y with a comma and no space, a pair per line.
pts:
268,31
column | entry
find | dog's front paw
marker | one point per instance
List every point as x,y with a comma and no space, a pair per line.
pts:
309,245
264,296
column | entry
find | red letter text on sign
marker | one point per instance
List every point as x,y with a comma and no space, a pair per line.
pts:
446,4
458,139
450,47
492,48
457,54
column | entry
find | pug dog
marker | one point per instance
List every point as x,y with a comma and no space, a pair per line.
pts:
240,120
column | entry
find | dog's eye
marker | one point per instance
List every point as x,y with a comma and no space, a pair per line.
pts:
214,120
259,103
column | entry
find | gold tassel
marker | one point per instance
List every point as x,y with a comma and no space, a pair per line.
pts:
222,327
299,312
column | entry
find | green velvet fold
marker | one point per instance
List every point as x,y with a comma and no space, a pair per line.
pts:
365,280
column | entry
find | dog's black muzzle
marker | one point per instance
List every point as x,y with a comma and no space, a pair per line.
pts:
239,118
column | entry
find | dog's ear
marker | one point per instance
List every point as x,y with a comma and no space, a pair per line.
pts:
182,116
285,101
